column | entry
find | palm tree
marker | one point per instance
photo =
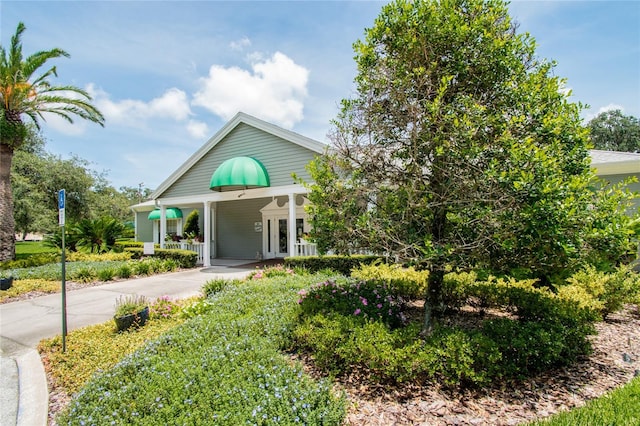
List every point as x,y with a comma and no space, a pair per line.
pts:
23,93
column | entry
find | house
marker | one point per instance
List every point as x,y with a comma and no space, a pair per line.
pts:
249,205
615,167
241,183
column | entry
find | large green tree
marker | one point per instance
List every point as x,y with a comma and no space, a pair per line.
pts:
460,149
614,131
24,93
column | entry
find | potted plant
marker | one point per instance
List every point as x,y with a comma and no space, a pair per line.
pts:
131,311
6,283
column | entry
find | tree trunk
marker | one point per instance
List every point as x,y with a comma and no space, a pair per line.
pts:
7,224
433,301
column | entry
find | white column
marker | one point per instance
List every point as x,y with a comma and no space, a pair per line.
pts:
207,234
292,224
135,225
163,224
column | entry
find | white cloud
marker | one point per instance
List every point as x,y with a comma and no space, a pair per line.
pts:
173,104
197,129
274,90
240,44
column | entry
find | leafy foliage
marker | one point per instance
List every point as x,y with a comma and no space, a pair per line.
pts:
614,131
461,149
192,226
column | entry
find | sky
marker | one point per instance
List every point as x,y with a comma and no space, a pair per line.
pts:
167,75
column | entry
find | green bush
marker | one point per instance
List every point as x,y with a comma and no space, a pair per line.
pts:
124,271
357,298
610,290
406,282
185,258
340,264
106,274
83,275
214,286
31,261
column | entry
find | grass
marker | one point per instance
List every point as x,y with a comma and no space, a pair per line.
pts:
619,407
25,249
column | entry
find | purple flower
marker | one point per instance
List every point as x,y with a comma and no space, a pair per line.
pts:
364,301
357,311
379,305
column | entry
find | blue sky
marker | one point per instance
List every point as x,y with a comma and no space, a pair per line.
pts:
168,74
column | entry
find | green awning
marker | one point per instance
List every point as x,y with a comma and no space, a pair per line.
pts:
239,172
170,213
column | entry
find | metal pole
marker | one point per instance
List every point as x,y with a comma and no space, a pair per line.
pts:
64,296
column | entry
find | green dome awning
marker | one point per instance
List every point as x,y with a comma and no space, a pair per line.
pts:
170,213
240,172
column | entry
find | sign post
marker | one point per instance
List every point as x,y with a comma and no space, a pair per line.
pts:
61,217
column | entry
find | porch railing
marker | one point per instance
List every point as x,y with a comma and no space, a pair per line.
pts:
197,247
305,249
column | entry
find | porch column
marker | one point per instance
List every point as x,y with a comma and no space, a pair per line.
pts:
163,224
292,225
207,234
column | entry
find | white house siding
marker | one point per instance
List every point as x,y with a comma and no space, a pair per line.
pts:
280,158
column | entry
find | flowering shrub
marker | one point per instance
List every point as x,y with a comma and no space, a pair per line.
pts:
270,272
163,308
362,299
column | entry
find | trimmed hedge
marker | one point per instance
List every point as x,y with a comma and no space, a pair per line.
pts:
337,263
185,258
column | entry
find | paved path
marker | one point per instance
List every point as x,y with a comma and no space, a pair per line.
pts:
23,388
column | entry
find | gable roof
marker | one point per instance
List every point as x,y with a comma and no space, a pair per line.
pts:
239,118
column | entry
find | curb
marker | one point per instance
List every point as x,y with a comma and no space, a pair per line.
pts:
33,399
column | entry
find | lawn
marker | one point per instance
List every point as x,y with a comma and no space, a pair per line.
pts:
25,249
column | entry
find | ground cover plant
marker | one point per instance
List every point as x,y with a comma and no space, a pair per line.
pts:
619,407
224,365
99,347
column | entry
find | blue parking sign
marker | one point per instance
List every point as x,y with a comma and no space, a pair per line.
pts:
61,199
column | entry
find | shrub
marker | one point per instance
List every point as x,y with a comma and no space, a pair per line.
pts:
611,290
191,226
106,274
31,261
124,271
84,275
95,257
185,258
357,298
162,308
406,282
212,287
340,264
271,272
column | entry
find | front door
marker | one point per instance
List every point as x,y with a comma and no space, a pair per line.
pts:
277,236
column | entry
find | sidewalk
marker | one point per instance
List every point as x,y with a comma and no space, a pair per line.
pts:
23,388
